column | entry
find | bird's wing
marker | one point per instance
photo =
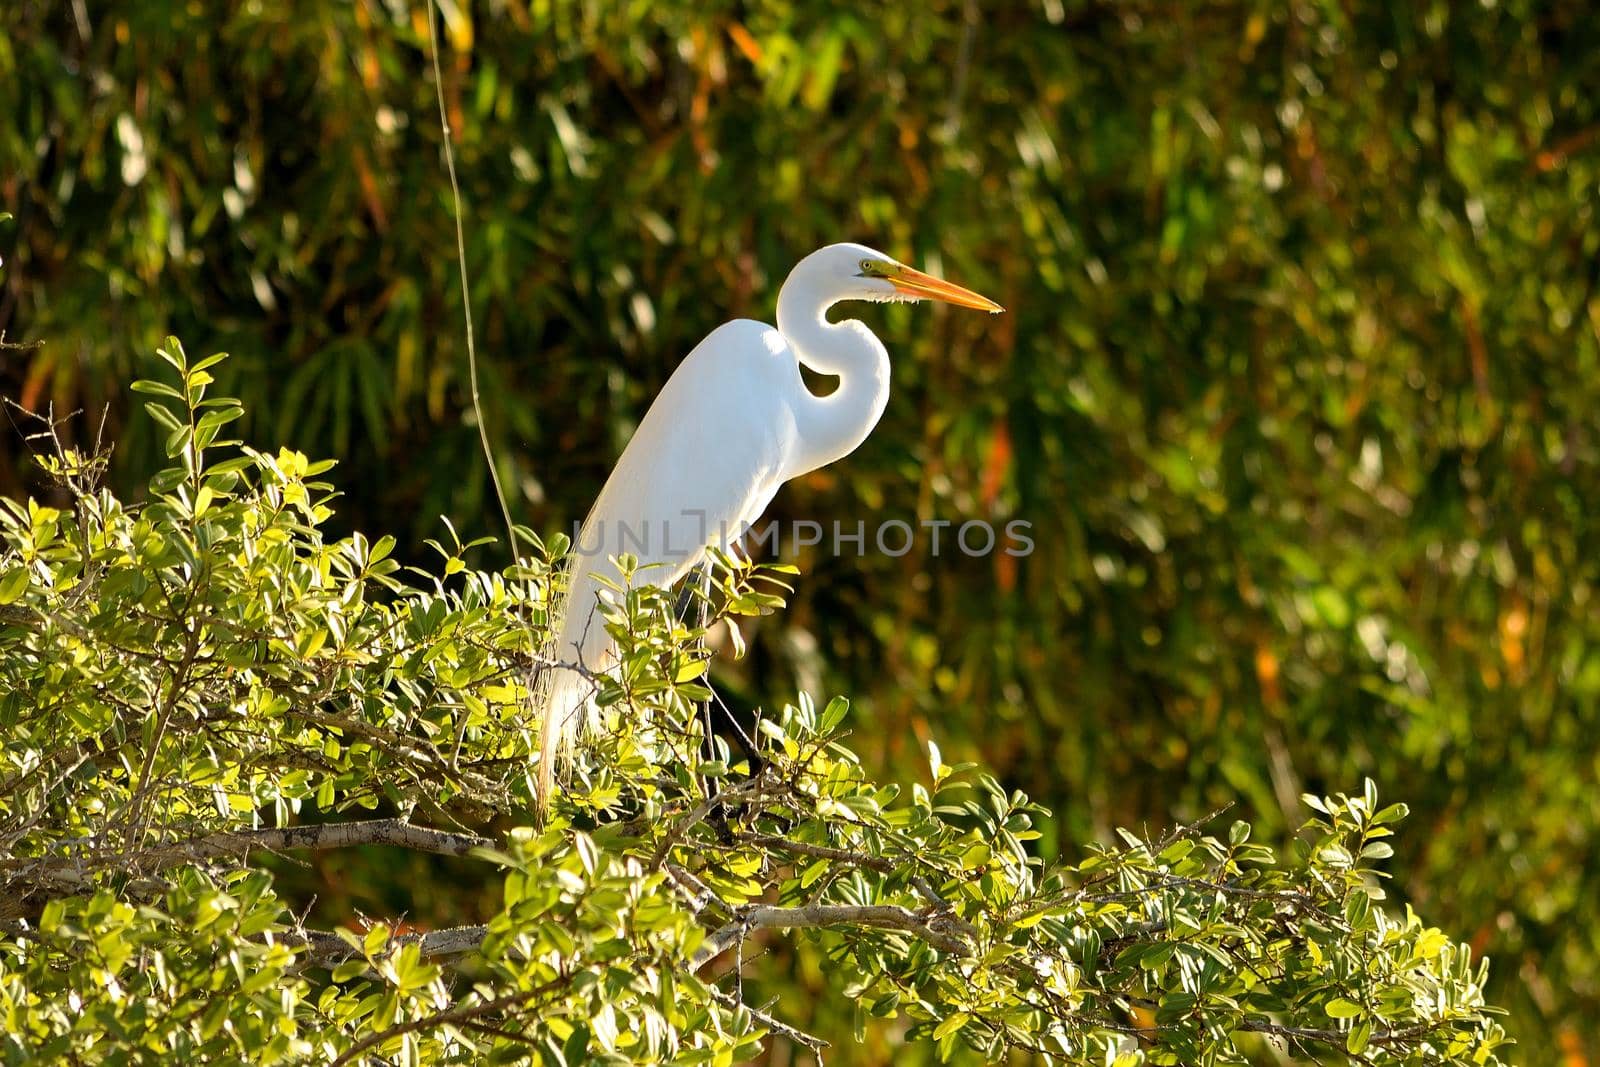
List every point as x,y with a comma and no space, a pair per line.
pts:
706,456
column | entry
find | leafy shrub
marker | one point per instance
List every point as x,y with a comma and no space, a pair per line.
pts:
1297,385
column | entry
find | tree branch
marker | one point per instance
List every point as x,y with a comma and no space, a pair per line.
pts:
777,1026
15,615
1337,1037
395,832
884,916
325,948
880,864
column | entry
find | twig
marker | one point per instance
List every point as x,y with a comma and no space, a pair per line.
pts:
546,759
13,615
135,825
700,895
881,864
783,1029
26,346
1335,1037
1189,829
466,290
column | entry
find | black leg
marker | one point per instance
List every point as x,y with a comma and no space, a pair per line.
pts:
702,583
708,743
715,712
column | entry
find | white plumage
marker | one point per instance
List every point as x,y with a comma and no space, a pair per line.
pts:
733,423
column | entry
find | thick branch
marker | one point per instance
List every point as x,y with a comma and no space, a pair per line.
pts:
396,832
27,618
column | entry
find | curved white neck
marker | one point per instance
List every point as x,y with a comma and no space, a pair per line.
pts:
831,426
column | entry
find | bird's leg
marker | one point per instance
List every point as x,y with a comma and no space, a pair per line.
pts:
697,592
702,619
750,751
696,598
702,584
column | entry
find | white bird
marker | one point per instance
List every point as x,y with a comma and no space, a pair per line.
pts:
733,423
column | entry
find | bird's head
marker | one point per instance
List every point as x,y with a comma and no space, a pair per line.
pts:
856,272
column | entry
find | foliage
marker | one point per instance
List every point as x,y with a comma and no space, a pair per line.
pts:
1296,388
192,683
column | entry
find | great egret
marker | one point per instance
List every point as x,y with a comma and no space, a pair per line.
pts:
733,423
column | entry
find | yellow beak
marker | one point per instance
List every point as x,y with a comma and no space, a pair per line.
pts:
920,285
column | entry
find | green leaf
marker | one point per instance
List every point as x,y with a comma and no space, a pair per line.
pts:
13,584
178,442
1332,606
349,969
1392,813
1360,1036
1174,1007
210,361
1429,944
588,855
812,872
1340,1008
1156,956
833,715
154,388
1357,909
163,415
1176,851
172,352
604,1024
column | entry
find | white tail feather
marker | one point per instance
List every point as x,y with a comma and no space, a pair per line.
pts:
566,696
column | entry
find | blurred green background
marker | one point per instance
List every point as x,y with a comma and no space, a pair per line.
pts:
1297,387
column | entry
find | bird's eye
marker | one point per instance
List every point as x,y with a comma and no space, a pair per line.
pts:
868,267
